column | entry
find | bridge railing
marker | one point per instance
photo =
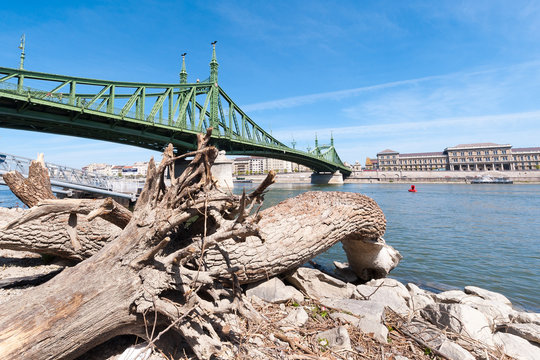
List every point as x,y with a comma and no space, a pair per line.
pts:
60,173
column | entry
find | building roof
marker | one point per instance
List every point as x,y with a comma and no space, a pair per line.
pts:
527,149
388,151
437,153
477,145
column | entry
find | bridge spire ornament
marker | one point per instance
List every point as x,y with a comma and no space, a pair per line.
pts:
214,65
331,138
21,46
183,72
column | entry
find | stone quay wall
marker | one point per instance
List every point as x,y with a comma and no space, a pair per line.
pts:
440,176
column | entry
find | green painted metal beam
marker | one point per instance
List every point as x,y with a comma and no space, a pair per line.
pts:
107,114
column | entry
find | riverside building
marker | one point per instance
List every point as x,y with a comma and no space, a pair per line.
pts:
463,157
259,165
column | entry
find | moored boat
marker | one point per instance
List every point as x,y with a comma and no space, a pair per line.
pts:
486,179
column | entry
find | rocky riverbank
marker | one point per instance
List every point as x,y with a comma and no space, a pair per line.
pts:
314,315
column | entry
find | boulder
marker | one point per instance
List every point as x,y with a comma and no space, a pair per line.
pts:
345,318
317,284
275,291
461,319
454,352
516,346
419,298
529,331
336,338
429,334
371,259
370,315
525,317
450,296
388,292
487,295
297,317
497,312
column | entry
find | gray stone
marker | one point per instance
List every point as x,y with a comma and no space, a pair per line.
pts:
357,307
487,295
345,318
388,292
371,259
369,325
529,331
461,319
428,333
450,297
336,338
516,347
419,298
370,314
275,291
317,284
525,317
497,312
455,352
297,317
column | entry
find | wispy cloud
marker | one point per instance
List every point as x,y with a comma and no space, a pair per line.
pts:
295,101
308,99
421,128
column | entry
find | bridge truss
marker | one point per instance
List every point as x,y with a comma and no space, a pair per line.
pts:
145,115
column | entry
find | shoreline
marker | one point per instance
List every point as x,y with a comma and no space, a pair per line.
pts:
396,177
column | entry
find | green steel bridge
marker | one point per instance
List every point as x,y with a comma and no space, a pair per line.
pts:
145,115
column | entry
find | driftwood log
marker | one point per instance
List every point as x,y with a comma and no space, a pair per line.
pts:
34,188
174,260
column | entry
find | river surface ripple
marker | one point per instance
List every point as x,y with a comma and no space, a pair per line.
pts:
450,235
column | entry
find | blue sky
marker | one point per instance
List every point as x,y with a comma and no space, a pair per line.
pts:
412,76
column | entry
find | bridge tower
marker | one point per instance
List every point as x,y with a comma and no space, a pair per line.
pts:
214,92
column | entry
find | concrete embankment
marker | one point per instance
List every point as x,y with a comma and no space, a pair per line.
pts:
374,177
462,177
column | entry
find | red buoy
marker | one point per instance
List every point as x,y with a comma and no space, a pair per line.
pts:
412,189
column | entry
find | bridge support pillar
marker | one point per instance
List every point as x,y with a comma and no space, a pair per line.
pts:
327,178
221,170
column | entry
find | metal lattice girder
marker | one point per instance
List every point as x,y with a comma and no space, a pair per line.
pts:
116,111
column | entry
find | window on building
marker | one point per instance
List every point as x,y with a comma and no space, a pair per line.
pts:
470,152
503,151
486,152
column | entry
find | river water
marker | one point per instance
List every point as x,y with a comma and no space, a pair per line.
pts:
450,235
454,235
